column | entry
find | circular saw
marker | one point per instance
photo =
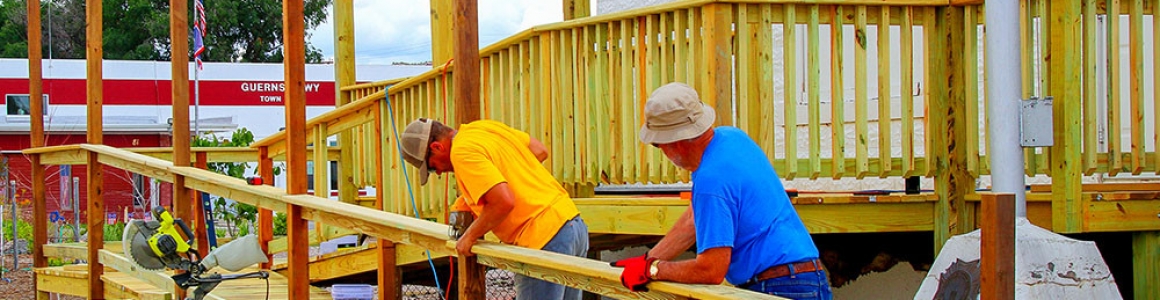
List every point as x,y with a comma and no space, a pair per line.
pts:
157,245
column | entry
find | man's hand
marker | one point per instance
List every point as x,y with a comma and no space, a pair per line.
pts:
635,274
463,246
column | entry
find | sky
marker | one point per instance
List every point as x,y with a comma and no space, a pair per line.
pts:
388,31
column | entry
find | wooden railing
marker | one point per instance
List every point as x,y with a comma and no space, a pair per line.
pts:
581,273
579,86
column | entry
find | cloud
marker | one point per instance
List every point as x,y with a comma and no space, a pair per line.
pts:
389,31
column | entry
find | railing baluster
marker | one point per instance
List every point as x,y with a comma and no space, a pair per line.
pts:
1136,66
1115,141
861,97
906,57
970,73
789,50
1090,102
814,71
837,99
884,98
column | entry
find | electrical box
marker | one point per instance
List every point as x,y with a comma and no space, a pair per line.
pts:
1036,123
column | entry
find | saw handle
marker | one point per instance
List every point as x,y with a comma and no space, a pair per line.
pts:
184,229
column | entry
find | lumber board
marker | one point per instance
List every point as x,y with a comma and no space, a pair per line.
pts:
1090,102
1146,264
1138,215
596,276
1066,66
56,280
861,97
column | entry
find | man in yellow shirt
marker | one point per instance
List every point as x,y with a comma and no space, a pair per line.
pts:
500,176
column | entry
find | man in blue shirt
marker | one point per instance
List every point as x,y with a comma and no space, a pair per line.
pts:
744,226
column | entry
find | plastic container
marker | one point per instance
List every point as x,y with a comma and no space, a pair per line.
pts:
352,292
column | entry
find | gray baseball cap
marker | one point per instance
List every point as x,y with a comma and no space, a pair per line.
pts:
415,141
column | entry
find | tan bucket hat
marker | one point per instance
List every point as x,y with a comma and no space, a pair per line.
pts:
415,141
674,112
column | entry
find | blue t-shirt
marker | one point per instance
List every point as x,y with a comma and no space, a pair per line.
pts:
739,202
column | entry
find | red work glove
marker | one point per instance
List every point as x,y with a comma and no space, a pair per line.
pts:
635,274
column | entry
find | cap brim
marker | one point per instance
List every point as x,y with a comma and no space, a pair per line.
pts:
423,174
708,116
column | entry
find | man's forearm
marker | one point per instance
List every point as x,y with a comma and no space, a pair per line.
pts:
678,240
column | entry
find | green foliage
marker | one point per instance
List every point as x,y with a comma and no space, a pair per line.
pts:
56,262
238,30
238,217
23,230
114,232
279,224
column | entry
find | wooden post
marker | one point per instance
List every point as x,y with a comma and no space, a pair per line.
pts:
472,279
1064,83
442,31
39,210
466,73
265,216
199,220
94,25
344,75
294,63
390,283
576,9
1146,264
179,36
947,100
718,49
998,246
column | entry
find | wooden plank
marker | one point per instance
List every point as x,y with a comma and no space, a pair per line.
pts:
295,105
971,90
789,49
198,220
837,100
591,275
906,105
1104,187
869,217
861,97
1066,165
576,9
296,231
389,279
627,136
718,52
442,33
39,212
96,224
998,246
159,280
635,219
1137,215
1146,264
1115,139
1090,102
1136,79
63,285
814,71
472,279
265,216
36,135
467,55
885,100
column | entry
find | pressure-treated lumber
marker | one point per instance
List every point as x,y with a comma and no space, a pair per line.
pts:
998,246
36,133
1065,67
402,229
1146,264
466,77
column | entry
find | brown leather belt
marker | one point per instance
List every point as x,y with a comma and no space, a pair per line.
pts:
785,270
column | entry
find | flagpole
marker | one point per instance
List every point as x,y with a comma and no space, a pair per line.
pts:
196,86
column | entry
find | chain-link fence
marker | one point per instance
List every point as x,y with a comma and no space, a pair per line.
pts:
501,285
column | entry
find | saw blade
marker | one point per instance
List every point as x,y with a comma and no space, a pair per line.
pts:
135,242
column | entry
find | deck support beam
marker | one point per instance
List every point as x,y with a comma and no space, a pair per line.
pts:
953,180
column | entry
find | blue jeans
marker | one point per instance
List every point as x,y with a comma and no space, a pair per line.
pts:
572,239
809,285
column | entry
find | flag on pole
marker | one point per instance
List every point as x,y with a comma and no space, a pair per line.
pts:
198,32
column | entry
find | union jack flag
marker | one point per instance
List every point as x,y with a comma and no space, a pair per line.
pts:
198,32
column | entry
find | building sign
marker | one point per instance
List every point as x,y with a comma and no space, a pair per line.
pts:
159,92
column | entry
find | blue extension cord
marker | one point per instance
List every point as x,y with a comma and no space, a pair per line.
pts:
407,179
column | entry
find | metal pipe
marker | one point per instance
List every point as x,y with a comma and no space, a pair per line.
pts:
1004,92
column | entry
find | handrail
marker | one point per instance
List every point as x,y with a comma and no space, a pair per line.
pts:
572,271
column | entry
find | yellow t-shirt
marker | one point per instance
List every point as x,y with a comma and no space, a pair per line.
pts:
486,153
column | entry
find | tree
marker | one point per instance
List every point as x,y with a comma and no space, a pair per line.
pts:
238,30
